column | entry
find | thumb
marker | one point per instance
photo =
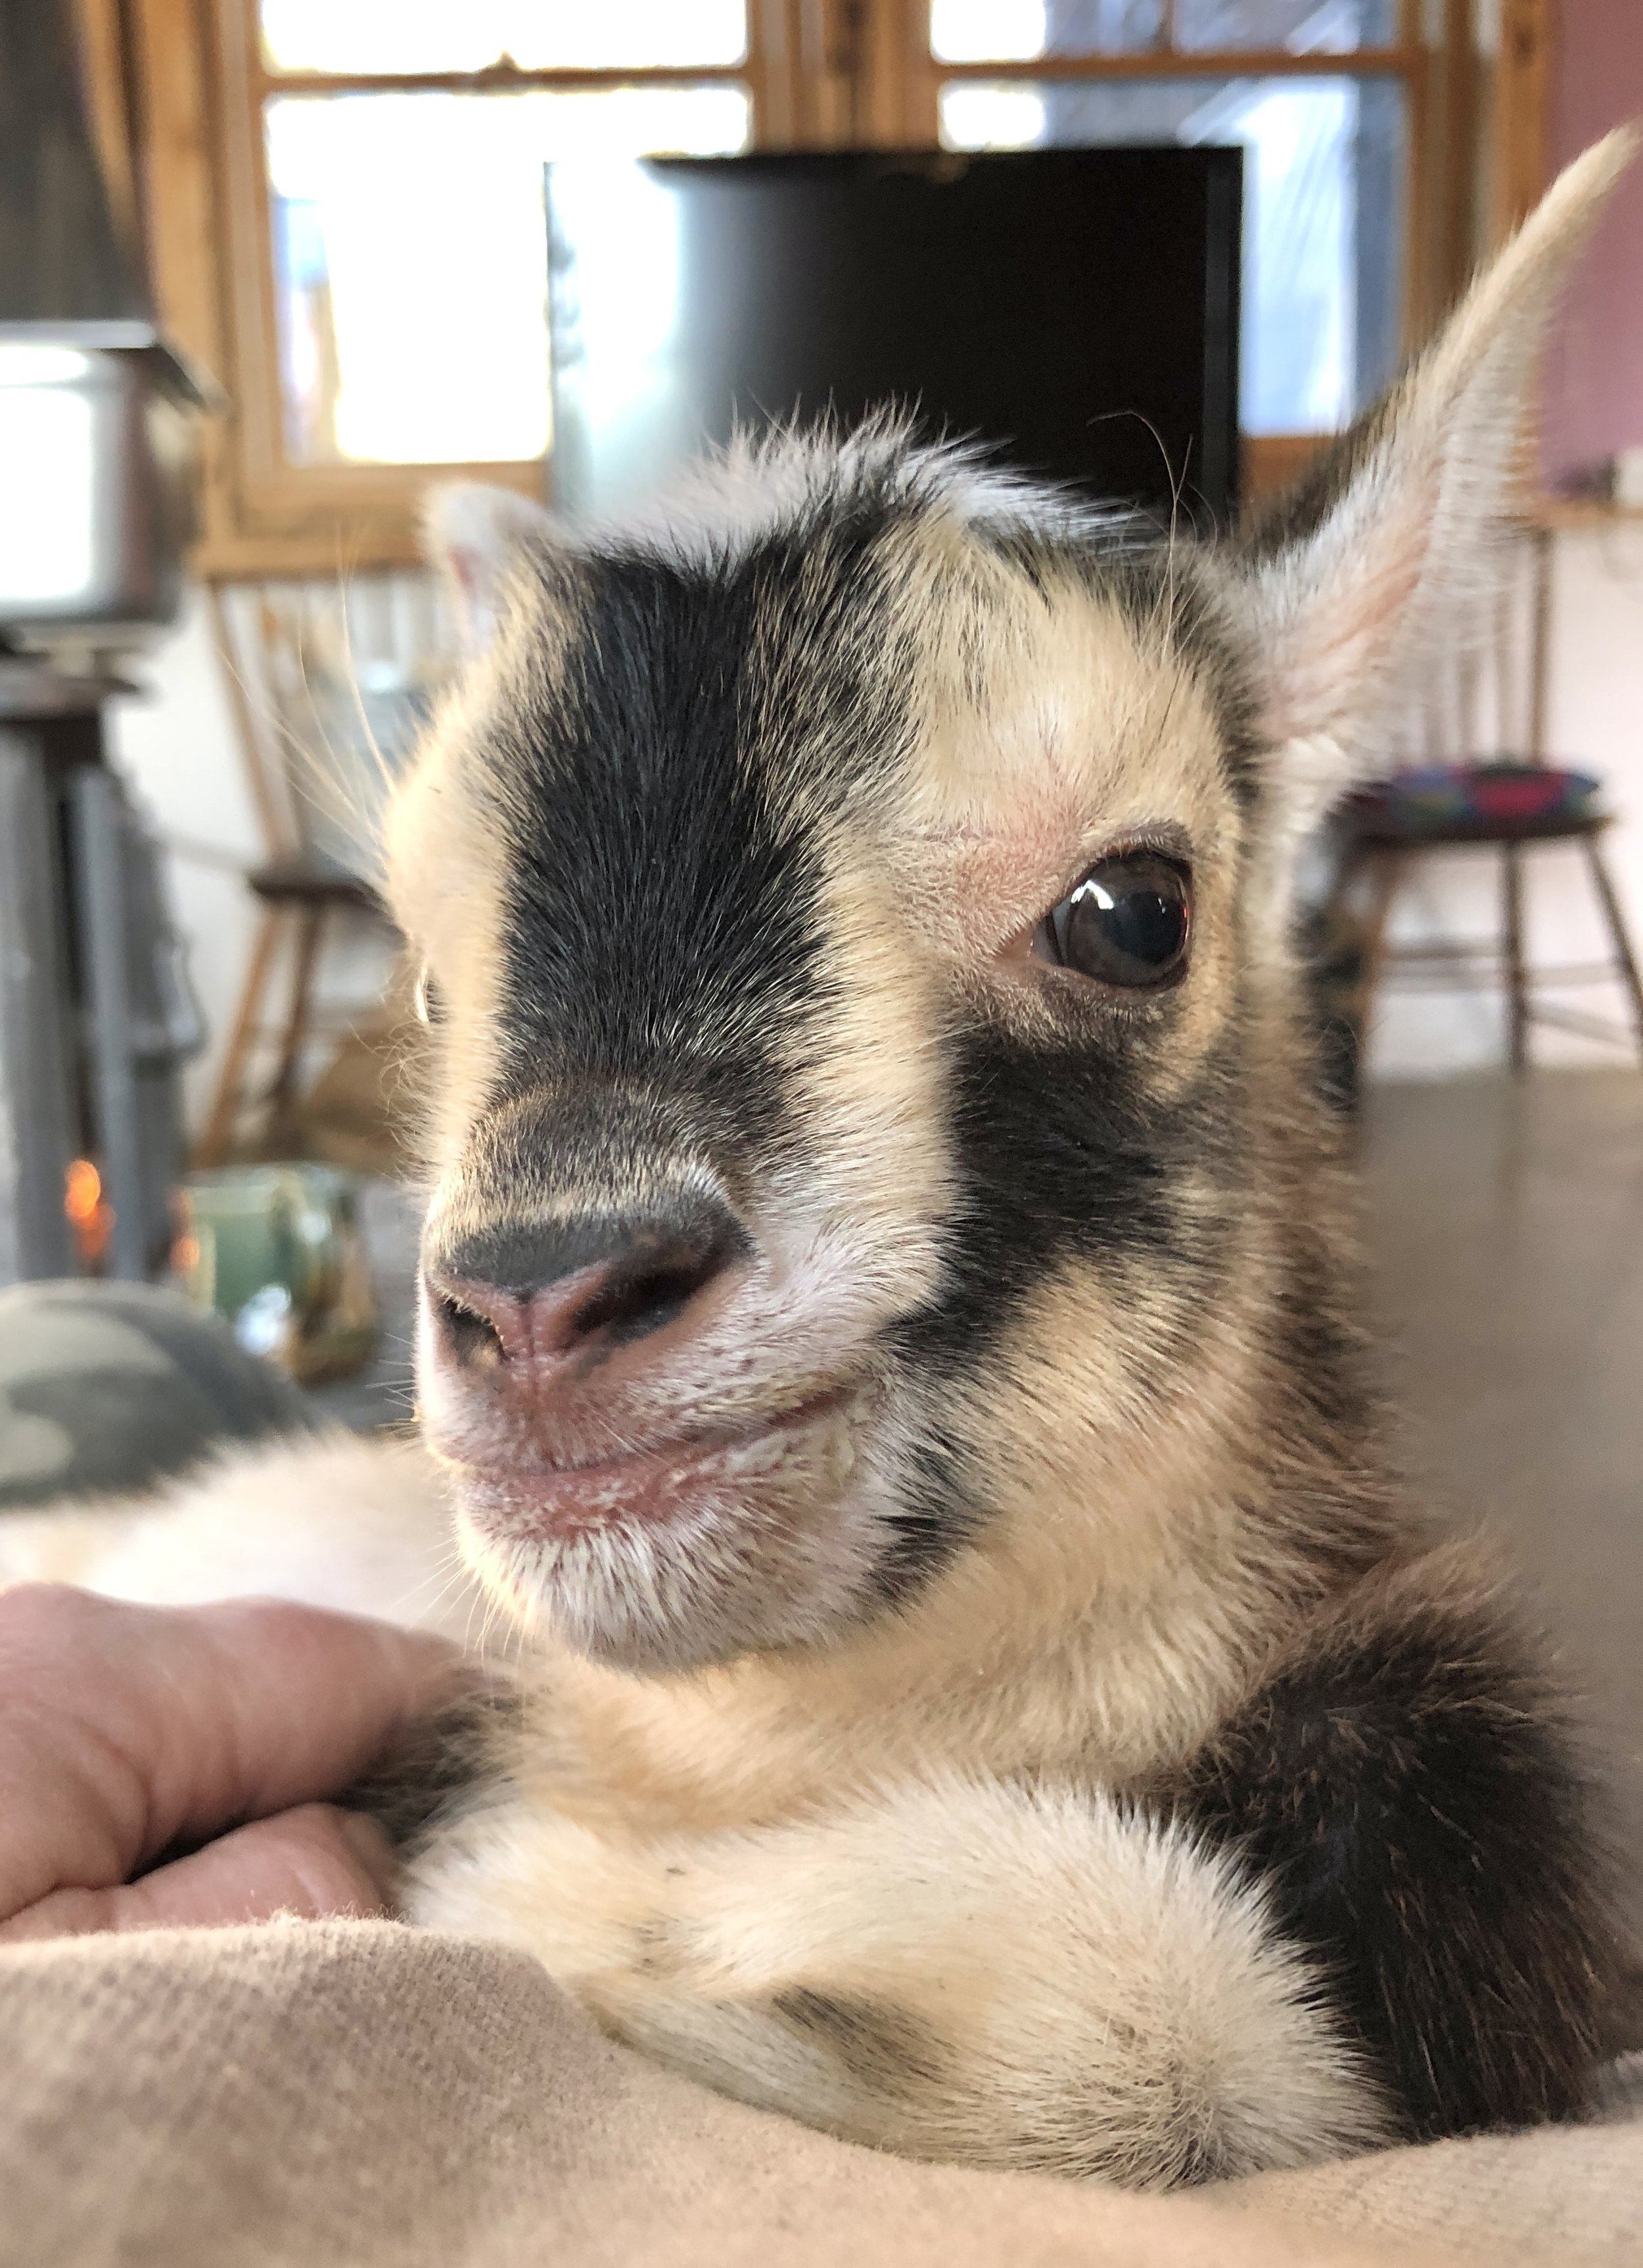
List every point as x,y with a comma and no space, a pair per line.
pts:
312,1862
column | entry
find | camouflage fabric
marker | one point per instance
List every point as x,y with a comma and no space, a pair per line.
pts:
113,1385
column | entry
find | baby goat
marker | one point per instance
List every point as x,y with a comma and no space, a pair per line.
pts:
883,1313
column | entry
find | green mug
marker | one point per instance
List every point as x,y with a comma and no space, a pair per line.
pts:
277,1250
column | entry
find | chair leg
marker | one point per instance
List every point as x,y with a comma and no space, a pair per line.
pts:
214,1143
1386,871
1626,959
1516,975
283,1092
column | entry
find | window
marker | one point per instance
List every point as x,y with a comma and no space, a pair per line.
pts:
1325,155
343,198
387,282
1389,142
389,202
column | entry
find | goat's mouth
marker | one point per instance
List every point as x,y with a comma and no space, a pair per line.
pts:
725,1469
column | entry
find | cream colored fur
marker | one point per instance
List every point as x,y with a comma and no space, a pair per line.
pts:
948,1967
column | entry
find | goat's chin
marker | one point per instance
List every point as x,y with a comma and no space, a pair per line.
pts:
726,1575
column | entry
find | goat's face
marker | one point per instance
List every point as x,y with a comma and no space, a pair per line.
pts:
836,943
853,925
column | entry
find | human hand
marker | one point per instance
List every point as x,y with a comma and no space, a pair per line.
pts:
126,1729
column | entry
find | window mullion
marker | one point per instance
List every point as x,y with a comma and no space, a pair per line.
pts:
772,73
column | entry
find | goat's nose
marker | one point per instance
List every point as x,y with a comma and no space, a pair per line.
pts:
547,1289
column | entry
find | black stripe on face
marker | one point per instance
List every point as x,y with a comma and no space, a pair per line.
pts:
1061,1157
663,876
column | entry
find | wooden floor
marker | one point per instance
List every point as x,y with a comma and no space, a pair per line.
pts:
1504,1226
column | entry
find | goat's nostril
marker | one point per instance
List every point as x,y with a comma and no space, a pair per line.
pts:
633,1300
475,1342
554,1289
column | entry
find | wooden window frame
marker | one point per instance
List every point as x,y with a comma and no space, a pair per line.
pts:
204,86
1476,147
177,93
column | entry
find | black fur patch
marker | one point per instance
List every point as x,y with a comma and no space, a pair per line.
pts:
440,1764
1403,1784
884,2051
1061,1157
520,1258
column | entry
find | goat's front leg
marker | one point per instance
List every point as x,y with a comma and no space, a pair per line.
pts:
953,1969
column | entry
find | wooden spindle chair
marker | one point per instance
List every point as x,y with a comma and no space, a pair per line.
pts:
306,777
1489,705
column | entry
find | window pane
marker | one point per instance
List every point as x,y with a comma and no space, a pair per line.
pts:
1304,27
1322,204
410,258
463,35
1018,31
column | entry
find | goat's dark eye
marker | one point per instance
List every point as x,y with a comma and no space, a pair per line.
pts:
425,998
1127,924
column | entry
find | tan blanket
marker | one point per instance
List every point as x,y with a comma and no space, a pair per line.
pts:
360,2094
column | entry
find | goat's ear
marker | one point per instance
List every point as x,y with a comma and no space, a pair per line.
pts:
474,536
1370,568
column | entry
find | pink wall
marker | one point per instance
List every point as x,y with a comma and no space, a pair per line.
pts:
1594,397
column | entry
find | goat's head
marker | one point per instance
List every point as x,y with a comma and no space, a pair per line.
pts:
853,905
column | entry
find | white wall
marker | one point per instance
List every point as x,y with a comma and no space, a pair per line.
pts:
176,746
178,750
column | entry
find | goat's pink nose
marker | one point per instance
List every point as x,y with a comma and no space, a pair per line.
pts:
534,1295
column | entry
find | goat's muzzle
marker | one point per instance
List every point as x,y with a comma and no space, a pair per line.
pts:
562,1368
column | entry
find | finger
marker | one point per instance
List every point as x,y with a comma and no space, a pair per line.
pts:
313,1697
313,1861
123,1728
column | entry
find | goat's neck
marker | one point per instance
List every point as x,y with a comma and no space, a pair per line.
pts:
1101,1629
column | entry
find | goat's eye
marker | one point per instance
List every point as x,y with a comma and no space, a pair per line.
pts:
425,997
1127,924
